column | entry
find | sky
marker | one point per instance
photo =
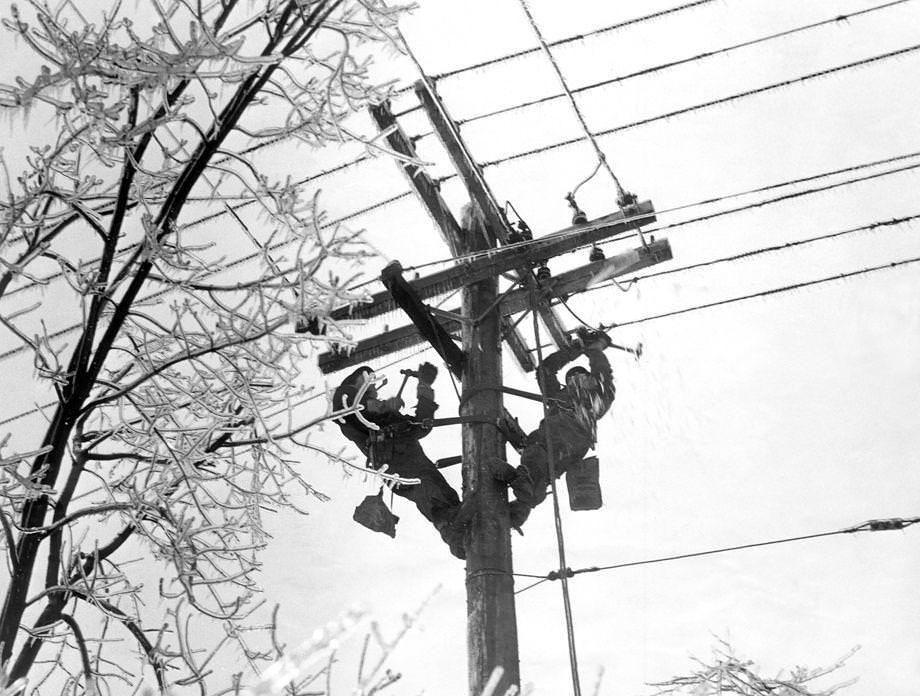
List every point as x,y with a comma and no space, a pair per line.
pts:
768,418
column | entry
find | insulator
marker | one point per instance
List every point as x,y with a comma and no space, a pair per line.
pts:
578,217
543,272
597,254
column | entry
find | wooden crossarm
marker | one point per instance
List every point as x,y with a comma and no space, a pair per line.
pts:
516,301
508,259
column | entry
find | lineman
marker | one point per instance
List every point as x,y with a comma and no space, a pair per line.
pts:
571,419
395,444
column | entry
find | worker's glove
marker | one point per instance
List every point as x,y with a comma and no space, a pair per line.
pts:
593,340
426,373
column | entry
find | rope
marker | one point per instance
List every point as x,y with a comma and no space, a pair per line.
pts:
560,541
683,61
589,136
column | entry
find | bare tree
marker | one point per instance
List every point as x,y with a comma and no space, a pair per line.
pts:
175,394
727,673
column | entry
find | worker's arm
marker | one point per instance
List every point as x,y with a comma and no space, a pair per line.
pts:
425,405
552,363
600,369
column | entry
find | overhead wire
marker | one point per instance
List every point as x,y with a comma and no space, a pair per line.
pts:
708,104
765,293
520,155
875,525
730,211
836,19
366,156
576,37
465,258
756,252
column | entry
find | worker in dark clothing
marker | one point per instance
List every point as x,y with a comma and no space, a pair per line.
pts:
392,440
571,419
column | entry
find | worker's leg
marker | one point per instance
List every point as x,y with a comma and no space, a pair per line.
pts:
433,495
530,484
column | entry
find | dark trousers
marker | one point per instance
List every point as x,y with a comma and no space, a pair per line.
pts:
433,495
569,445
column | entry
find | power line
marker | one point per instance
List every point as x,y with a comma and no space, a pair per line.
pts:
762,250
879,525
570,39
683,61
707,201
764,293
710,216
715,102
777,199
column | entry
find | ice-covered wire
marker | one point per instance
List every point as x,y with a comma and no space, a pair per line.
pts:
705,105
684,61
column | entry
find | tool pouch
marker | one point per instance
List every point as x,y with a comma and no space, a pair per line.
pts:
375,515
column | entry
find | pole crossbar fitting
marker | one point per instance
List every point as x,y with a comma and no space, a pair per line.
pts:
561,573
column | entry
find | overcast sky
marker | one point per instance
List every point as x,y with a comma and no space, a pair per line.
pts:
756,420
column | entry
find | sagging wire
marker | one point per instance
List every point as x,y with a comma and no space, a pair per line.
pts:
521,232
624,198
874,525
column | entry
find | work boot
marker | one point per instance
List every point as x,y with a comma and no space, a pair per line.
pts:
523,485
452,534
518,512
502,470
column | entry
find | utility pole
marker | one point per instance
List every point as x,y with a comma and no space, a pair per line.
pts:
483,322
491,619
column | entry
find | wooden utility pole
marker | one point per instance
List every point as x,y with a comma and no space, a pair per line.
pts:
483,322
491,620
